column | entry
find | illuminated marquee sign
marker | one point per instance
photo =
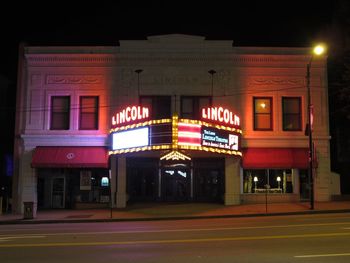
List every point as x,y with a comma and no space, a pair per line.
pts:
212,137
189,134
219,114
130,138
130,114
218,131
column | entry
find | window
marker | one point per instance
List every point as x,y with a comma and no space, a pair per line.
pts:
263,114
88,113
60,111
159,106
191,106
279,181
291,107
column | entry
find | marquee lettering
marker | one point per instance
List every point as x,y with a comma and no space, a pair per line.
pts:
220,114
130,114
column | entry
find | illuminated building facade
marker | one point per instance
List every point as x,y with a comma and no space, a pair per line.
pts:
92,127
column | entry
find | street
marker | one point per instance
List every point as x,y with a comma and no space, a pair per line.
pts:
302,238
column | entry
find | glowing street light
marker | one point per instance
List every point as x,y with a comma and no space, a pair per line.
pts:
255,182
279,182
317,50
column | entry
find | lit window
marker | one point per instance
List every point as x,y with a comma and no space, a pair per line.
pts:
291,107
263,114
88,113
278,181
60,111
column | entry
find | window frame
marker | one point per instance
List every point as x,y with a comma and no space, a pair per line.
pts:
196,114
53,112
155,113
255,114
96,113
300,114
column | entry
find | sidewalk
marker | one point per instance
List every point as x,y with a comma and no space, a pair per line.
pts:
167,211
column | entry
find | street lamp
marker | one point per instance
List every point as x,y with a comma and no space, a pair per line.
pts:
255,182
317,50
279,182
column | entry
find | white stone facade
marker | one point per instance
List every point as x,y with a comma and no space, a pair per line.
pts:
172,65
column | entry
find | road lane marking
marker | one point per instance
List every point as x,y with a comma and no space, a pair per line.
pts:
189,229
172,241
8,238
323,255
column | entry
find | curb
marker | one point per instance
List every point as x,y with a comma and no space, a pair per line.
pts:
168,218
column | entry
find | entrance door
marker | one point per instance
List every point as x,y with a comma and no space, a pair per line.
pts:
58,192
177,183
208,185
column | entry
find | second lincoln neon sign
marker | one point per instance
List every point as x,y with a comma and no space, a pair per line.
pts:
219,114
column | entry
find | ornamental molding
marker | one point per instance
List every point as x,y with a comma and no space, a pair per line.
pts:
70,59
74,79
276,81
230,58
152,58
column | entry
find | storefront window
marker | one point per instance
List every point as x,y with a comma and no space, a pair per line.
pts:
275,180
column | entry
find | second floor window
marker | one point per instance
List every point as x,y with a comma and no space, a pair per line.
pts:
291,107
160,106
60,112
191,106
262,113
88,113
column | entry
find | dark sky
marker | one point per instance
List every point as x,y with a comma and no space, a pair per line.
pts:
248,23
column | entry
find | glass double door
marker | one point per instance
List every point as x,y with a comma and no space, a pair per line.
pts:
176,184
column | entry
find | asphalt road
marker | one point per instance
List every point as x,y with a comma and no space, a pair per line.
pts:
306,238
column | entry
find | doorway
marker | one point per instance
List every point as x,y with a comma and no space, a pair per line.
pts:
58,192
176,184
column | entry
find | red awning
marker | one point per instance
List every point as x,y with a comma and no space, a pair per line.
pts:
73,157
256,158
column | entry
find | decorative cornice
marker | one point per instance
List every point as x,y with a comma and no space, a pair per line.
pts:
70,59
169,58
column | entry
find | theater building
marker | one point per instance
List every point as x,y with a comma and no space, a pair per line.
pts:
173,118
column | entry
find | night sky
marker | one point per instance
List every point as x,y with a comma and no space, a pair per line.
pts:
248,23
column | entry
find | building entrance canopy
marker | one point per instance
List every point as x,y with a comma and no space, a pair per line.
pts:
72,157
218,131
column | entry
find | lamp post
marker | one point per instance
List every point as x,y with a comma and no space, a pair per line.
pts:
212,72
317,50
255,182
138,71
279,182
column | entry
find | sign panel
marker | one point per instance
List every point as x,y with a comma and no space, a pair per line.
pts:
85,180
129,115
212,137
130,138
220,115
